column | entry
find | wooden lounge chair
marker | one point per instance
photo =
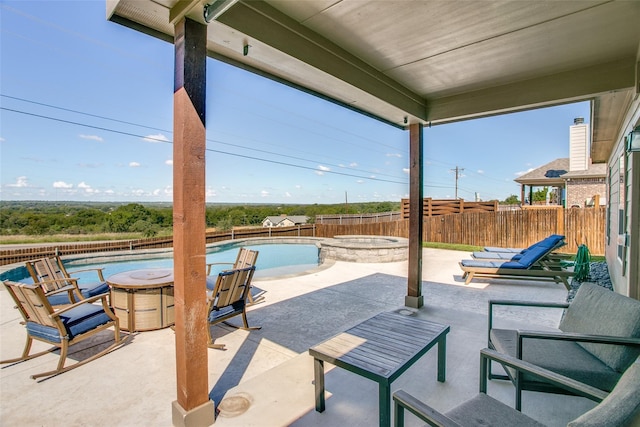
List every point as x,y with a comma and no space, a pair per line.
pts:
531,266
596,340
246,258
62,327
552,238
619,408
229,299
554,242
51,274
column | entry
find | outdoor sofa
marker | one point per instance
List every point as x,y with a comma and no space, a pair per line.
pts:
597,339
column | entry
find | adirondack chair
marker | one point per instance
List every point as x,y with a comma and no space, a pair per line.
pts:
229,299
246,258
51,274
61,327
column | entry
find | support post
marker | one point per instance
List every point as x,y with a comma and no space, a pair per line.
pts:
192,407
414,296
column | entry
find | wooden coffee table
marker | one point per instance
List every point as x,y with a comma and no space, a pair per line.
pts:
143,299
381,349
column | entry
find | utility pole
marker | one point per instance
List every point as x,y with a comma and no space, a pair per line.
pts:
346,203
457,170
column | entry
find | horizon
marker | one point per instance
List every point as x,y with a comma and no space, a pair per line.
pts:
87,116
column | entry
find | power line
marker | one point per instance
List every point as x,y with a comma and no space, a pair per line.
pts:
170,132
207,149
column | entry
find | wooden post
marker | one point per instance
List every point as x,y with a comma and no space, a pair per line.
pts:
192,407
414,296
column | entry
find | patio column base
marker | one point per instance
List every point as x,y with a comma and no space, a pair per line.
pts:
202,416
414,302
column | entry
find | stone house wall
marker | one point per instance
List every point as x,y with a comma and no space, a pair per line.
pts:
579,191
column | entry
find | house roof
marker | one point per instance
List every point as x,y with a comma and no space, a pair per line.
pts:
427,61
557,172
296,219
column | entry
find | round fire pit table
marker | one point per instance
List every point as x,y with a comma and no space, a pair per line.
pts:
143,299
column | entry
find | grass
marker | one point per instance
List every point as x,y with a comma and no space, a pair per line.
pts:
452,246
68,238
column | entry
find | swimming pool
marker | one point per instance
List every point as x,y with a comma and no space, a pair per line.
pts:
274,259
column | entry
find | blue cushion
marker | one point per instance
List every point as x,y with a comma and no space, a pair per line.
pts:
490,264
532,255
60,299
77,321
92,289
551,241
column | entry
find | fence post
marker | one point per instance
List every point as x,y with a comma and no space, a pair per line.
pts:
560,226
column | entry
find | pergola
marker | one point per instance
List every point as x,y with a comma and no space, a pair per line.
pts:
411,64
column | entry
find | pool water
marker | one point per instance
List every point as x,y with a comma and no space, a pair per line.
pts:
273,260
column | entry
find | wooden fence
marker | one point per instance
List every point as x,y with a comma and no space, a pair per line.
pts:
21,254
434,207
518,228
358,218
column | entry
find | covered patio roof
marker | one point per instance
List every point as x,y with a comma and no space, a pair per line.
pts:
428,61
410,64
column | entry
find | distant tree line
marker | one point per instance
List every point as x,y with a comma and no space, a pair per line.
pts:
49,218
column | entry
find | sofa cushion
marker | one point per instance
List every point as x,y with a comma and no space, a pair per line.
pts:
599,311
482,411
620,408
563,357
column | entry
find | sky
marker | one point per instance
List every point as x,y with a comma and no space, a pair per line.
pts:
86,111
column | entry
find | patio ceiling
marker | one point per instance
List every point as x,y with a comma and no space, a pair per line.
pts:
428,61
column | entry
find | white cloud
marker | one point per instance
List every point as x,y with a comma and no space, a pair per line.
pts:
109,192
21,182
353,165
138,192
298,186
168,162
480,171
406,170
62,184
134,164
359,181
84,185
2,139
322,169
524,172
398,155
156,138
156,192
287,194
168,190
91,137
264,193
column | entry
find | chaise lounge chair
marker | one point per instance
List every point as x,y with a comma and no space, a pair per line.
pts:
51,274
62,327
620,408
554,241
533,265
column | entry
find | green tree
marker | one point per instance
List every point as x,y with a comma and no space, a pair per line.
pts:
511,200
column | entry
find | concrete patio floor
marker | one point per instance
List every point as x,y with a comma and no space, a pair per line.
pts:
271,370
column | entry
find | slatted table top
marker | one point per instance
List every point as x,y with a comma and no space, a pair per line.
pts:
382,347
